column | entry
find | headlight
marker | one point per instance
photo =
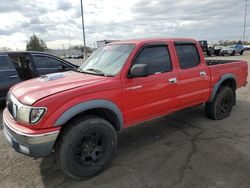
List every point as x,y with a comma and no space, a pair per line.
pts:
24,113
36,114
29,115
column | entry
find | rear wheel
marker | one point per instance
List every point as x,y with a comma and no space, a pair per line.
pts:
222,106
86,147
241,53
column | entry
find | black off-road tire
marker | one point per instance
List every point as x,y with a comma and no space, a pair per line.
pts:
241,53
75,144
208,110
222,105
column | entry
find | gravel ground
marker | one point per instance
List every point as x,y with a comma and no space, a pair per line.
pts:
184,149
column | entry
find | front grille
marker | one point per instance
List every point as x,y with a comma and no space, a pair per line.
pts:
10,106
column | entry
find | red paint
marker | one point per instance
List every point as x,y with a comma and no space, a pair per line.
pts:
154,96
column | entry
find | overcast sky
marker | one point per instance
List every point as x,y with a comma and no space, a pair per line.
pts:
58,22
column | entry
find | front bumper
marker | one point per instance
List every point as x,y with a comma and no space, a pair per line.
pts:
33,145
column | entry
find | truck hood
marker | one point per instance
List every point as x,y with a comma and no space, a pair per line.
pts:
31,91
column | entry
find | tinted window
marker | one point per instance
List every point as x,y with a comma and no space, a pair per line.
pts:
4,63
46,62
156,58
188,55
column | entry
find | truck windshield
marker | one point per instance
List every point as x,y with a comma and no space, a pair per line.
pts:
107,60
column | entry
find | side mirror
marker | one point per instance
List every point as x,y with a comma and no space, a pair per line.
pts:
139,70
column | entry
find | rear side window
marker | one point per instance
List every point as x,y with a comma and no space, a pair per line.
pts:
188,55
5,64
156,58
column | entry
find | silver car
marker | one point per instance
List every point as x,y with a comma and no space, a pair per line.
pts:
232,50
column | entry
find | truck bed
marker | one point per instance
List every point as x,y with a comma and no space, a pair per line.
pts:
237,68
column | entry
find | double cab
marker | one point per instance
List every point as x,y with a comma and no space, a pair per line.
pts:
78,114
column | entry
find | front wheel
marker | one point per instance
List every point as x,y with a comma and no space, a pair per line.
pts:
241,53
222,106
86,147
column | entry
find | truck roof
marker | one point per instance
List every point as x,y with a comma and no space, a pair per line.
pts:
146,40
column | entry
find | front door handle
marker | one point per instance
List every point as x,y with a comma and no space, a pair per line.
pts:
172,80
203,73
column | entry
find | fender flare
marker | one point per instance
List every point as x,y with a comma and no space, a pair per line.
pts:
88,105
218,84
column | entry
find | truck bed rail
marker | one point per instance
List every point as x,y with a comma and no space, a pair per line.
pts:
216,62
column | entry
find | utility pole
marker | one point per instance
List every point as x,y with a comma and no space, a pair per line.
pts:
69,42
245,20
64,51
83,32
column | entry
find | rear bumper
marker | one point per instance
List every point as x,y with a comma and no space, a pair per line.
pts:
33,145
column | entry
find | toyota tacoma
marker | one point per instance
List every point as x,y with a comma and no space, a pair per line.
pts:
78,114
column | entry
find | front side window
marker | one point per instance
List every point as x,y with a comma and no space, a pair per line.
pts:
4,63
107,60
188,55
156,58
46,62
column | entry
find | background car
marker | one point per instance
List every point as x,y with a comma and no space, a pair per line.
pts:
232,50
16,67
207,49
217,50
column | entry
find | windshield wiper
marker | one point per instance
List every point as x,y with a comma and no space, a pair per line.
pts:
79,70
82,71
99,72
92,71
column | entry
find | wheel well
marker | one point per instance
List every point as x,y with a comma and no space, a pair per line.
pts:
106,114
229,83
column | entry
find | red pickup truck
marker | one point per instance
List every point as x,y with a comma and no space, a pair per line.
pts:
77,114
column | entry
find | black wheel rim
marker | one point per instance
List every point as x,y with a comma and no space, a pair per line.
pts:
90,150
225,105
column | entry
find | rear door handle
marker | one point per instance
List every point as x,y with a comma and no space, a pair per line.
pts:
13,76
203,73
172,80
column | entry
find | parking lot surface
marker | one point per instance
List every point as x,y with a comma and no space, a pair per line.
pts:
184,149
